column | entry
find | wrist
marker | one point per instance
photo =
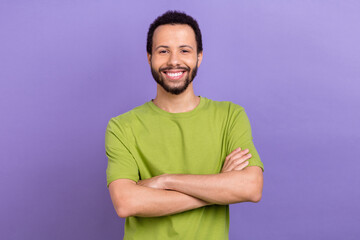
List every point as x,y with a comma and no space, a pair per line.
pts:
168,179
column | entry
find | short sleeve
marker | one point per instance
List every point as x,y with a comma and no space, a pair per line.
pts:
240,135
121,163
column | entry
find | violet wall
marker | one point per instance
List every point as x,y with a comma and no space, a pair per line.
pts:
67,67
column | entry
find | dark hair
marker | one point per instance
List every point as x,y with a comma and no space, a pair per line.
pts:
174,17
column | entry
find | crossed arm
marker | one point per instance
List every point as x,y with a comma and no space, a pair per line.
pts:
173,193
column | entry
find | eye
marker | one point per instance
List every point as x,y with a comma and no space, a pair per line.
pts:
185,51
162,51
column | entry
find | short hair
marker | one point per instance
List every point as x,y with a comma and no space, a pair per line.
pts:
173,18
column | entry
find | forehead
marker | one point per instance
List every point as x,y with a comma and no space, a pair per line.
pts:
178,34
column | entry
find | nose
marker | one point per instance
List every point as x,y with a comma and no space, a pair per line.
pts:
173,59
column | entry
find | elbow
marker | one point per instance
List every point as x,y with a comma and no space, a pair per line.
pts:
250,185
250,196
123,212
256,197
124,209
256,193
122,192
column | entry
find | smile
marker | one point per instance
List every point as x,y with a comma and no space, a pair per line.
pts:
174,75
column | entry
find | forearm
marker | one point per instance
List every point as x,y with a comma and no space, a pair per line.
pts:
157,202
223,188
149,202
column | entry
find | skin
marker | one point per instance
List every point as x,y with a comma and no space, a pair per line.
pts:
174,49
231,185
148,198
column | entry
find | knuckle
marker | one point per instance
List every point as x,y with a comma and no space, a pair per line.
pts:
246,150
240,161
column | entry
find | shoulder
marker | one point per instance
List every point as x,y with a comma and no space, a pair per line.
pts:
125,119
234,107
226,106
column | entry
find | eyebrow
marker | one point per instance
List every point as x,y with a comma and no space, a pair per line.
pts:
169,47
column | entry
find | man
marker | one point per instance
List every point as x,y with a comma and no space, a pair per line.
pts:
176,162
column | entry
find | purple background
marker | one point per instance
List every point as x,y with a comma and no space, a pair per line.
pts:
67,67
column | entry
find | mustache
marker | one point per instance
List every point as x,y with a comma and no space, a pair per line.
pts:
172,68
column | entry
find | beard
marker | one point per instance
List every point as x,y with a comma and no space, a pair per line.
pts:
181,86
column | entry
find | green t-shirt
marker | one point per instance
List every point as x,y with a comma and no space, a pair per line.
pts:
149,141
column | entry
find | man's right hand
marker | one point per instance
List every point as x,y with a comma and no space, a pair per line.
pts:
236,160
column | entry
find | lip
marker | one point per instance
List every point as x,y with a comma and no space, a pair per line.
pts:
175,70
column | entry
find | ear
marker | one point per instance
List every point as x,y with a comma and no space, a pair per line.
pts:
149,58
200,56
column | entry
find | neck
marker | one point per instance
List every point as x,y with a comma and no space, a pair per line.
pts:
183,102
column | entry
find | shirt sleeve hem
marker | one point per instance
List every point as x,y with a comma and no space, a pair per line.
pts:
135,179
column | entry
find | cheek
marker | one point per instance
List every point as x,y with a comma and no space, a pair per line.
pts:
191,61
158,62
191,65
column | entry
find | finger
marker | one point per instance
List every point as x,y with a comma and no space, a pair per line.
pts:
239,161
240,155
242,165
228,157
234,155
236,150
233,163
237,155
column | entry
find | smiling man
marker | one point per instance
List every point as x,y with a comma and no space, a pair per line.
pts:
176,162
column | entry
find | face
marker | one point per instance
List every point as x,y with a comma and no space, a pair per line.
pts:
174,60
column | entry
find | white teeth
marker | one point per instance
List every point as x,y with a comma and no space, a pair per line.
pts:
174,74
